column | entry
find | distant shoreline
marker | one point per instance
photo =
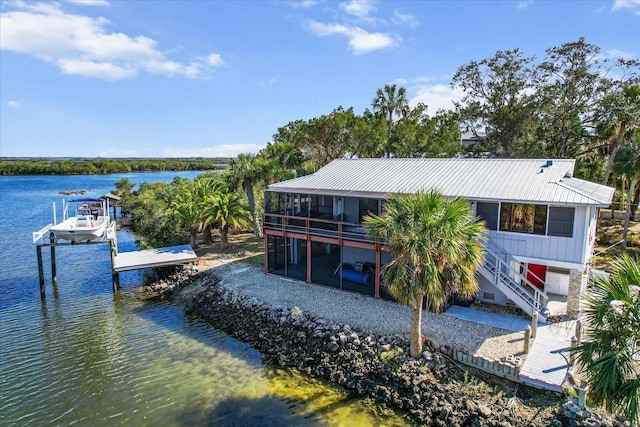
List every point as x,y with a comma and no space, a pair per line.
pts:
13,166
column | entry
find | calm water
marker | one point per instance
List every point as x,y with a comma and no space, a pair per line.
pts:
85,356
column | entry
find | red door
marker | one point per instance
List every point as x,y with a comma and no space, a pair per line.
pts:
536,274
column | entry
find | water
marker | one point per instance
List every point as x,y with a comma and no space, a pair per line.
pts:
84,356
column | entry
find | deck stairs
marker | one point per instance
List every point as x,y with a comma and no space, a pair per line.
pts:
498,268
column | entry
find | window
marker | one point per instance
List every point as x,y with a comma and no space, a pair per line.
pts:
561,221
523,218
368,206
489,213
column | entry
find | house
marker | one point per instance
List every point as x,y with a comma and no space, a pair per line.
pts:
541,224
469,139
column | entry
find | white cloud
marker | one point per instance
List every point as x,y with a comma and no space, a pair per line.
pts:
104,3
303,4
14,104
222,150
360,41
81,45
269,82
437,96
524,4
400,18
361,9
633,5
617,53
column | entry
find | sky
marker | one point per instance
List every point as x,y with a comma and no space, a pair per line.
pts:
102,78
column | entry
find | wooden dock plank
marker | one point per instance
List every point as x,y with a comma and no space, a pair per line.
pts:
547,363
160,257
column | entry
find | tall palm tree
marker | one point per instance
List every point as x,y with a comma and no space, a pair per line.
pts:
610,354
388,102
244,172
437,247
226,210
628,165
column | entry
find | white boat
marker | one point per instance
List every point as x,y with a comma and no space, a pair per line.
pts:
90,221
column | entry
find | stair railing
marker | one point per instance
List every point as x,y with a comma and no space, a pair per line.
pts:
498,264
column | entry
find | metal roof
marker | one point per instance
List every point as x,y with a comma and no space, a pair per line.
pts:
517,180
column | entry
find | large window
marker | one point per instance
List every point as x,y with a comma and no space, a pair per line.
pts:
561,222
523,218
368,206
489,213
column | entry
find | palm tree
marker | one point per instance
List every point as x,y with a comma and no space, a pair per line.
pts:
628,166
437,247
610,354
226,210
388,102
244,172
186,207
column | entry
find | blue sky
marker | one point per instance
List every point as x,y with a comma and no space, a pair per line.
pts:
215,78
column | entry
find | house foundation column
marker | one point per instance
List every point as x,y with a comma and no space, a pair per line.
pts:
577,284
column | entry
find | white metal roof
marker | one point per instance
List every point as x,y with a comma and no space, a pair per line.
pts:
517,180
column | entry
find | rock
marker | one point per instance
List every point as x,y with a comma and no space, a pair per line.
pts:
427,355
332,346
484,410
296,314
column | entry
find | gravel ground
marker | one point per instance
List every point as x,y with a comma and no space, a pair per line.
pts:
362,312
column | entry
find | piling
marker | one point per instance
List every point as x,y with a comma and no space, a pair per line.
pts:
40,271
534,324
527,337
54,268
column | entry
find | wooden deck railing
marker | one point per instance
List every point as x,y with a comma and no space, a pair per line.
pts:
278,224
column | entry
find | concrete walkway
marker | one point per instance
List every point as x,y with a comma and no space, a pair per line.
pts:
490,319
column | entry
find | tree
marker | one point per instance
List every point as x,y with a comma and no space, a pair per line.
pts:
498,98
619,116
436,245
244,172
186,207
389,102
226,210
628,165
571,84
610,354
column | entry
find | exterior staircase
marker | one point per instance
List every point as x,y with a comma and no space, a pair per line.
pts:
498,269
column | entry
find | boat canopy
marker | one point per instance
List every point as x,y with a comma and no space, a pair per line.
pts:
85,200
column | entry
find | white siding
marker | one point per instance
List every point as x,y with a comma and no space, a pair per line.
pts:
548,250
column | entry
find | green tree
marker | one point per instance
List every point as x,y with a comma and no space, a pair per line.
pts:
186,207
619,117
570,86
628,165
226,210
498,98
610,353
124,187
437,247
390,101
244,172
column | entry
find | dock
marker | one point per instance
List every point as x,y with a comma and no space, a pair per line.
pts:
547,363
124,261
150,258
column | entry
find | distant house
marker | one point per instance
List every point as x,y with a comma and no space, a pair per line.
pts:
469,139
541,222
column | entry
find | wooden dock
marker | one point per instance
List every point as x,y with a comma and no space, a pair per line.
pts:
150,258
547,363
124,261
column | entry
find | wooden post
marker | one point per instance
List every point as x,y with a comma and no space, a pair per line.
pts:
527,337
534,324
572,356
115,276
377,272
308,256
40,271
578,331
